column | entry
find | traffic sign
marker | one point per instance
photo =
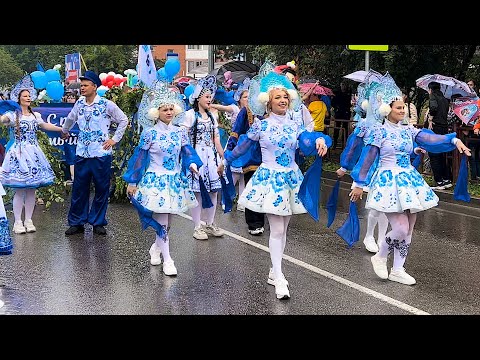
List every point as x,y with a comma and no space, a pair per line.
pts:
368,47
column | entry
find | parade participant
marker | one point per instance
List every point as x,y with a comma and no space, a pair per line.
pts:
255,220
93,160
25,167
241,97
396,188
202,126
274,187
154,172
366,121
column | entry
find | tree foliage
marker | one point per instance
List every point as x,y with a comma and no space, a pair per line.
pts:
10,72
405,63
99,58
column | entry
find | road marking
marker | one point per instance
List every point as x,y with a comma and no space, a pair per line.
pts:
329,275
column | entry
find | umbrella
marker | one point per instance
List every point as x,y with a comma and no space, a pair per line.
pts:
467,109
73,85
239,69
448,85
361,75
318,90
184,79
308,79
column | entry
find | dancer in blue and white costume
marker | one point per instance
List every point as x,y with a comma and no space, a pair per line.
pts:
396,188
154,173
241,97
366,121
274,187
202,127
25,167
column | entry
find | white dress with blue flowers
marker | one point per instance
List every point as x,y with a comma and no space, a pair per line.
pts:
274,186
205,148
163,189
396,185
25,165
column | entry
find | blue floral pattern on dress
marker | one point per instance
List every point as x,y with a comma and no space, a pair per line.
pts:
385,178
278,201
282,159
403,160
6,245
169,163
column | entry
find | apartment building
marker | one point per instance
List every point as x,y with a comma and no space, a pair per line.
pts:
193,58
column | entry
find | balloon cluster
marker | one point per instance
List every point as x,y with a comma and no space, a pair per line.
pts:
169,70
50,82
132,77
112,79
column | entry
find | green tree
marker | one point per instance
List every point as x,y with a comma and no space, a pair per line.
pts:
99,58
11,72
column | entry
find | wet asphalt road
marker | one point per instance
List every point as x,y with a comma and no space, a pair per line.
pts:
49,273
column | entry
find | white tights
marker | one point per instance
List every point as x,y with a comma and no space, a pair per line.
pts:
23,198
375,217
399,238
277,241
163,244
209,214
238,177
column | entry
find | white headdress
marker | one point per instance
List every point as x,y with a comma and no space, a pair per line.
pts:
157,95
267,80
382,93
26,83
208,83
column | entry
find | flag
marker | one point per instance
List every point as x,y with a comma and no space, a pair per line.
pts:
40,67
146,66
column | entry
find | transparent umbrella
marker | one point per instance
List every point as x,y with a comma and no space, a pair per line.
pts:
448,85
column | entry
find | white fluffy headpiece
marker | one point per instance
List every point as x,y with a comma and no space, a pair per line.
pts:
158,95
267,80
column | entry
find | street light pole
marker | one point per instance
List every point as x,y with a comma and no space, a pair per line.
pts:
211,58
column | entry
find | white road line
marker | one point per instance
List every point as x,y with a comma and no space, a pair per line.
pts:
329,275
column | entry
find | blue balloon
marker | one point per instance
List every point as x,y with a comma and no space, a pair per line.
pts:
161,75
52,75
55,90
135,80
101,91
172,67
189,90
39,79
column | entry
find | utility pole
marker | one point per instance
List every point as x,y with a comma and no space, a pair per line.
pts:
211,58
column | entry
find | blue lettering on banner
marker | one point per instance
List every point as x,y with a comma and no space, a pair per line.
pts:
56,114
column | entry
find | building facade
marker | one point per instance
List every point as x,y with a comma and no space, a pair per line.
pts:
193,58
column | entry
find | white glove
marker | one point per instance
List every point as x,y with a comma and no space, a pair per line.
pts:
194,168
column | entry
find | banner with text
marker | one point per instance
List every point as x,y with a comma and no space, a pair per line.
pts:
73,69
56,115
